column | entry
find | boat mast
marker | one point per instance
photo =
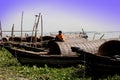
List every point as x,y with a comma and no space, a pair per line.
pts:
21,25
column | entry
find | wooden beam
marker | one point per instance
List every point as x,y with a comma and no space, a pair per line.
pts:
0,31
37,27
21,25
12,32
41,28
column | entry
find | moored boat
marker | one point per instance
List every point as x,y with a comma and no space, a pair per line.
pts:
42,58
98,66
60,53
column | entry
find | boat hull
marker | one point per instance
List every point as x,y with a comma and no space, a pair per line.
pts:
42,58
99,63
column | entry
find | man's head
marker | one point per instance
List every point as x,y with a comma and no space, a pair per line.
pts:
60,32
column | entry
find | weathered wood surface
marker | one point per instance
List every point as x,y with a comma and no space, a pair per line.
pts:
110,48
42,58
61,53
64,48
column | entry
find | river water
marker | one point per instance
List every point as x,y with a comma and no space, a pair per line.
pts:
91,35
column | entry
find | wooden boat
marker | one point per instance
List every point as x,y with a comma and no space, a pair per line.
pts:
60,53
42,58
98,63
36,47
52,55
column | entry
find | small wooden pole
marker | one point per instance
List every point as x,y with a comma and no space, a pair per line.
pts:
41,28
0,31
83,31
21,25
37,27
102,36
34,27
12,33
94,36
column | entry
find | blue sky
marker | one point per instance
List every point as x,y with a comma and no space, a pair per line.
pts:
65,15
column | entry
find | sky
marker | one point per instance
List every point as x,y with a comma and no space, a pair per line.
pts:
65,15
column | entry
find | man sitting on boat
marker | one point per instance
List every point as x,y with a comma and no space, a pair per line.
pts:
60,37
